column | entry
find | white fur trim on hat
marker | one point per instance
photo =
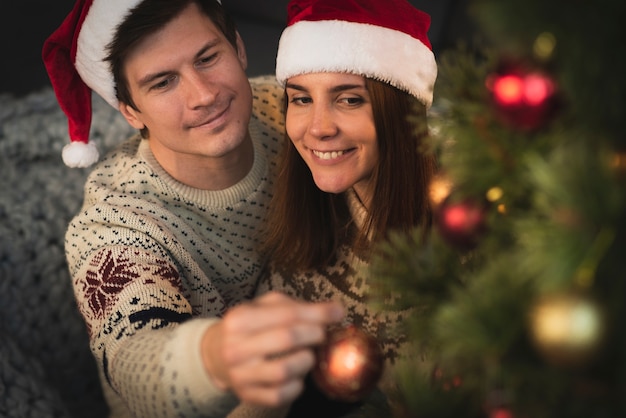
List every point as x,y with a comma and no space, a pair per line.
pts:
96,33
372,51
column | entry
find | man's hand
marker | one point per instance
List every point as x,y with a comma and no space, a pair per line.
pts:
262,350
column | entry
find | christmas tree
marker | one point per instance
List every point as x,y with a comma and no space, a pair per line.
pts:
519,291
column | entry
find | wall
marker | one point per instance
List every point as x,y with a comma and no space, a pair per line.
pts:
25,24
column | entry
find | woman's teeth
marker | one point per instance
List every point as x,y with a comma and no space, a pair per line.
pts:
328,155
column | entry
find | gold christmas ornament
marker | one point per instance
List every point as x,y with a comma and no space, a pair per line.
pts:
494,194
544,46
439,190
567,329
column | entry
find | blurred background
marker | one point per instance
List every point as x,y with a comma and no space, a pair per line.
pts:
24,25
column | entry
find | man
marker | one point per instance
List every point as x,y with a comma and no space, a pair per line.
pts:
163,252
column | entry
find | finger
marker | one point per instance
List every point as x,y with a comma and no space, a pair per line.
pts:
273,382
274,341
271,396
280,311
277,299
274,371
273,297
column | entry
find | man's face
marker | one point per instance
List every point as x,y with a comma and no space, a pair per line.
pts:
191,91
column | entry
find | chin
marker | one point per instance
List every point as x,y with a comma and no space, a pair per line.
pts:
332,188
336,182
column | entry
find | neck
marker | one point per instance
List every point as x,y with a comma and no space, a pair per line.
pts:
210,173
364,194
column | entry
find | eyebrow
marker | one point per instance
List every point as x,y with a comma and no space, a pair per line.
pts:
149,78
334,89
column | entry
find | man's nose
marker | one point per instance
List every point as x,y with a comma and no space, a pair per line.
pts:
200,90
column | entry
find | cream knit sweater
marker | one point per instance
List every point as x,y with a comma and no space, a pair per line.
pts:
154,263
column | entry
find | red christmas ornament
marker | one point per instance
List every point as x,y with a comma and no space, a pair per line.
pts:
501,413
462,223
524,100
349,365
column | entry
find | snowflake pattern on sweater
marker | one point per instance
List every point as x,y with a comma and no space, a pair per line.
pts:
154,263
109,274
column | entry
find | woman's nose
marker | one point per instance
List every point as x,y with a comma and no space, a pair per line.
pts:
321,123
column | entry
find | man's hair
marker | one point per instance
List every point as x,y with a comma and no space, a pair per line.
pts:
145,19
306,226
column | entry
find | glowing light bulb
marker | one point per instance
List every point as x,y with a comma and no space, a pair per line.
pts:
537,89
509,89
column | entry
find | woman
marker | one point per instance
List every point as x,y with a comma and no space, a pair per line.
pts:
358,79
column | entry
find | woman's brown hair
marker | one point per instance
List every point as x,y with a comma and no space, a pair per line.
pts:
306,225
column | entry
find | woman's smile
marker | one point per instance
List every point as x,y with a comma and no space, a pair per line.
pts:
331,155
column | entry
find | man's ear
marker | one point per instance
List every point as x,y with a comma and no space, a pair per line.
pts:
131,115
241,52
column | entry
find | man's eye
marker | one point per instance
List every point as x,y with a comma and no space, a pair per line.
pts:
300,100
162,84
208,59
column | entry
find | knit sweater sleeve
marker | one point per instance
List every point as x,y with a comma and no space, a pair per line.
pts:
142,330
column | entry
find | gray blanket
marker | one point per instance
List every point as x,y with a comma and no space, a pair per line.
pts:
46,368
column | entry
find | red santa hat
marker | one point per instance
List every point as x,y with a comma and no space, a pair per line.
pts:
74,56
381,39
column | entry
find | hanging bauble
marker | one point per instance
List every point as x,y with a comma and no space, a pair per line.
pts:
567,329
461,223
525,100
498,402
349,365
501,413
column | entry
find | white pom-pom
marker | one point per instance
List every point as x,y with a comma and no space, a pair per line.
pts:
79,154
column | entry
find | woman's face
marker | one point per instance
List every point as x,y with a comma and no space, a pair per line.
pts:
331,124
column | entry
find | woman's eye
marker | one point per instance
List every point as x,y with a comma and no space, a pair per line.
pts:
352,101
